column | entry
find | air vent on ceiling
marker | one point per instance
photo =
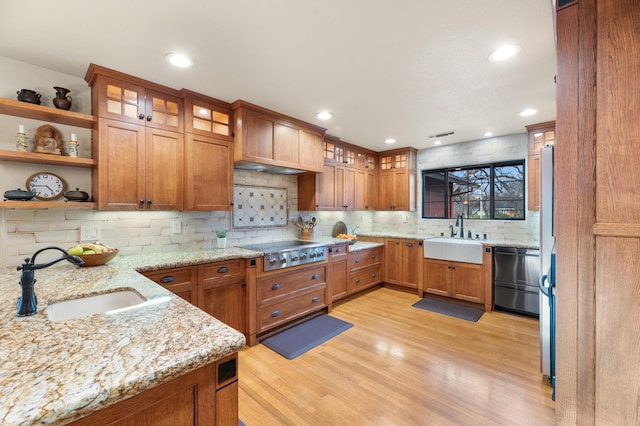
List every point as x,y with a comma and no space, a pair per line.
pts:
442,135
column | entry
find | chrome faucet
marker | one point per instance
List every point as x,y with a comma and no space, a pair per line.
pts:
460,223
453,234
27,304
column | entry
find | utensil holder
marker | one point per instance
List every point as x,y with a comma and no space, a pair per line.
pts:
306,234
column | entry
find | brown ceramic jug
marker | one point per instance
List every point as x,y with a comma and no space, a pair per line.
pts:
62,101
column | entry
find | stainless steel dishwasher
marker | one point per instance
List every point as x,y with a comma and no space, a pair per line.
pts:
516,273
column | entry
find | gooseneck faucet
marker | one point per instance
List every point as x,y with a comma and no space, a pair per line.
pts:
460,223
27,303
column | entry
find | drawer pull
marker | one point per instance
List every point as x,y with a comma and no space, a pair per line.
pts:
409,244
275,313
314,276
357,280
373,256
167,279
373,275
357,260
276,286
223,269
338,250
315,299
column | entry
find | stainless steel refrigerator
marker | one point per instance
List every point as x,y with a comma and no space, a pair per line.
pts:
547,266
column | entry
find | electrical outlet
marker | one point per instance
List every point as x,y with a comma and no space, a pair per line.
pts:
89,232
404,218
176,227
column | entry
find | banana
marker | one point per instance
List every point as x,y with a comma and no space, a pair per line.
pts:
95,247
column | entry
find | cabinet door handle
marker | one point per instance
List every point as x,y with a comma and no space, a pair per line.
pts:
167,279
338,250
314,276
373,275
409,244
223,269
373,256
142,202
357,260
276,286
141,116
149,202
275,313
357,280
315,299
149,118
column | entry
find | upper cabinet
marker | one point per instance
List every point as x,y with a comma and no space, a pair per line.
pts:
540,135
271,139
117,96
397,180
208,153
342,185
138,143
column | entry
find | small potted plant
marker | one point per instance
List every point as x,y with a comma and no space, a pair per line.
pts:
222,238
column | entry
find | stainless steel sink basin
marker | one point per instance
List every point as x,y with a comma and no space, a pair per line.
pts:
85,306
457,250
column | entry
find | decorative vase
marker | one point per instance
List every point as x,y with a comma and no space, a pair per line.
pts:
62,101
26,95
222,243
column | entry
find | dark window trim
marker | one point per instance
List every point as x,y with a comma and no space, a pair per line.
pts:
492,167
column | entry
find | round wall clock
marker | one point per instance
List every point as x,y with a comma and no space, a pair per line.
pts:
46,186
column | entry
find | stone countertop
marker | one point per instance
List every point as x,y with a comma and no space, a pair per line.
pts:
487,242
56,372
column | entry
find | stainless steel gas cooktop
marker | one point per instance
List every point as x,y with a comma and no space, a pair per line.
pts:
285,254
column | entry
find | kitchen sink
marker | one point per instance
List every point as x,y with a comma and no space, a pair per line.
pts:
90,305
457,250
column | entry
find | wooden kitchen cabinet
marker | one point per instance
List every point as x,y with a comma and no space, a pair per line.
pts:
337,271
333,189
397,180
208,153
206,396
118,96
140,168
540,135
208,173
138,142
182,282
222,292
464,281
365,269
266,137
403,263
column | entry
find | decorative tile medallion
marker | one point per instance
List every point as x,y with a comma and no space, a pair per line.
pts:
259,207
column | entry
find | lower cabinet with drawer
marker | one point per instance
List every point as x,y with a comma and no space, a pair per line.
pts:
182,282
364,269
281,298
221,292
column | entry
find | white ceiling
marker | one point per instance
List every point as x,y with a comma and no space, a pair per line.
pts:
402,69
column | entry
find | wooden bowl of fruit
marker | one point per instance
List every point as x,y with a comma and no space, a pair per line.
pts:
352,238
93,254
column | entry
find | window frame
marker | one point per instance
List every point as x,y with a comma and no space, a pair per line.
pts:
492,200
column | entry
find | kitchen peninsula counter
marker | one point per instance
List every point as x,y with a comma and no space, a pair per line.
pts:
57,372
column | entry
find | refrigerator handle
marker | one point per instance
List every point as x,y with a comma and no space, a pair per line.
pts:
545,290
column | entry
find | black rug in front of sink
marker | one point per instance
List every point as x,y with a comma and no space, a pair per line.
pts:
451,309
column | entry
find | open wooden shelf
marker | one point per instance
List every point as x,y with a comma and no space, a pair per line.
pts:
38,158
47,204
39,112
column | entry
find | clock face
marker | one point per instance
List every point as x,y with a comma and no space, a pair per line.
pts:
45,185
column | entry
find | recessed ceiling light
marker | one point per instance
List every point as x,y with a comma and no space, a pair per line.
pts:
179,60
504,52
527,112
390,140
324,115
488,134
437,143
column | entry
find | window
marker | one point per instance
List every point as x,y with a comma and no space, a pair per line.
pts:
494,191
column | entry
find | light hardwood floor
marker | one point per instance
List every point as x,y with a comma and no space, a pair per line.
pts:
400,365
